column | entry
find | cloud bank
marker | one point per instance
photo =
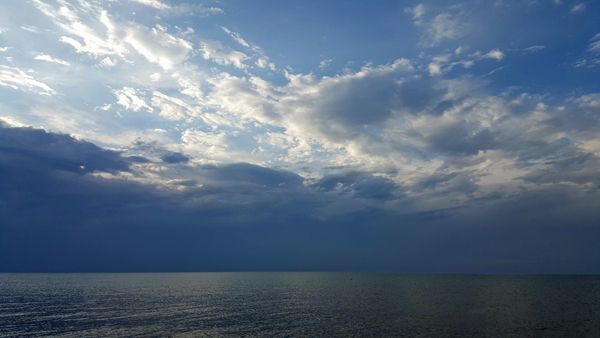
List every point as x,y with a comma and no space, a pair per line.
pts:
157,135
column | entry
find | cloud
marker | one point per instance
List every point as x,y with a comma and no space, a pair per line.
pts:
324,63
445,26
437,28
156,4
48,58
246,98
92,30
173,157
158,46
594,46
214,136
131,98
181,9
17,79
49,151
223,55
534,49
76,207
417,12
360,185
238,38
495,54
578,8
98,38
434,69
592,59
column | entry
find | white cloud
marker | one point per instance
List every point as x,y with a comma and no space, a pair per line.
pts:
246,98
101,39
223,55
446,26
131,99
205,144
17,79
495,54
417,12
30,29
155,77
156,4
48,58
588,101
170,107
158,46
262,60
434,69
91,30
237,37
180,9
533,49
108,62
324,63
595,44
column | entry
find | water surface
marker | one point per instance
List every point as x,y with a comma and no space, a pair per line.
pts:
298,304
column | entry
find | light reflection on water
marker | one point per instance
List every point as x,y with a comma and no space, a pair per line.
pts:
298,304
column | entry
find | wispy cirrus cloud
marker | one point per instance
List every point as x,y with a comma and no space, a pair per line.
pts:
48,58
16,78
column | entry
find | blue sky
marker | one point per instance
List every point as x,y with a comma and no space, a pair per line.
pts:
435,136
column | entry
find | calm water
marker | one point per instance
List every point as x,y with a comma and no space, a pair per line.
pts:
298,304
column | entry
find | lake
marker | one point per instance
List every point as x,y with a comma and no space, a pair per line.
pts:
298,304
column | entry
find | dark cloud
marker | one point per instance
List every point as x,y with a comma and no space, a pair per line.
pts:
360,185
251,174
55,152
352,106
173,157
56,216
461,139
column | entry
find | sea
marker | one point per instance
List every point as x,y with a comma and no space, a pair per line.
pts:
294,304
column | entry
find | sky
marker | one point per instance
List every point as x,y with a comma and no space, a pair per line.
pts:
231,135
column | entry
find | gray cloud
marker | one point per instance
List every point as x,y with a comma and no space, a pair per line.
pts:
245,217
361,185
174,157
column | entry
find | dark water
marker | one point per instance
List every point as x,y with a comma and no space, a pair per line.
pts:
298,304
